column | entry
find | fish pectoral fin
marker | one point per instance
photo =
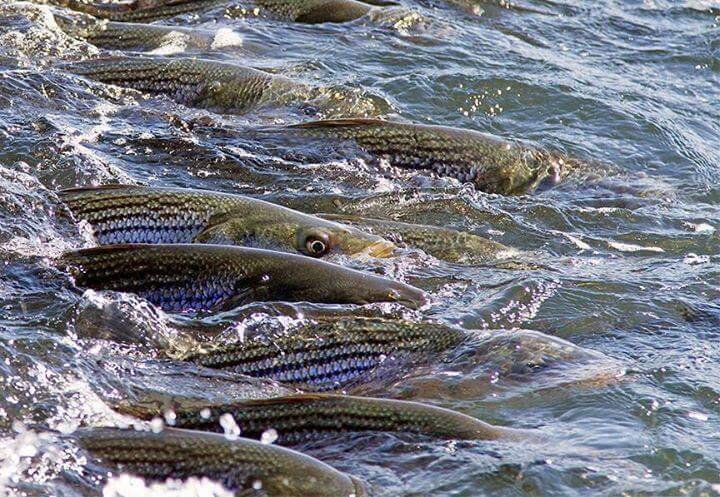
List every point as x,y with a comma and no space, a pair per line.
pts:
243,295
98,188
222,233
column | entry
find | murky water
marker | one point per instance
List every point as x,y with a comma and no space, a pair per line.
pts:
621,262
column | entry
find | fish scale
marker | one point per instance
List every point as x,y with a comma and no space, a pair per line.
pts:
161,10
188,81
313,11
141,37
331,355
178,277
220,86
116,35
304,417
492,164
132,214
307,11
238,464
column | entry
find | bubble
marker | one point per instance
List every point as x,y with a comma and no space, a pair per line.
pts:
269,436
229,426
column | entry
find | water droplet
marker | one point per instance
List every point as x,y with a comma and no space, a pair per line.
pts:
269,436
230,427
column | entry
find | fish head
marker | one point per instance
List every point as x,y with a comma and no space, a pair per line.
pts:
535,169
320,239
408,296
382,290
321,281
302,233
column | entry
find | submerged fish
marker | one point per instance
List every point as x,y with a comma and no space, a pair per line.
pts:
136,214
443,243
207,277
314,11
333,354
246,467
300,418
144,37
139,10
192,82
478,6
408,359
491,164
507,363
217,85
304,11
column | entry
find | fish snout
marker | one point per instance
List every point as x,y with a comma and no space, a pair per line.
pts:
407,295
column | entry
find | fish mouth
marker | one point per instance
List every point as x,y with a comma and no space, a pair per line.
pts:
409,296
379,250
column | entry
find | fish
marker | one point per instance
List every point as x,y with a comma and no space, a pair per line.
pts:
121,214
132,36
201,277
501,364
301,11
442,243
245,467
492,164
222,87
193,82
405,359
305,417
332,354
308,11
139,10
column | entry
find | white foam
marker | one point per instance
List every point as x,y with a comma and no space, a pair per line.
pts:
226,37
578,242
702,228
696,259
173,42
699,416
125,485
508,253
630,247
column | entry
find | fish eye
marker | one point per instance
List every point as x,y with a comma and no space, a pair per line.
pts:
317,246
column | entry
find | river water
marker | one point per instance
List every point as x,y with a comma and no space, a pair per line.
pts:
621,262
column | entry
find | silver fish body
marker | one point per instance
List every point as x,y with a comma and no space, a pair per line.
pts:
247,467
183,278
134,214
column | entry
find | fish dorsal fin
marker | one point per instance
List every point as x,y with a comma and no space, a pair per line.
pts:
74,259
99,188
105,58
290,399
105,249
338,123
